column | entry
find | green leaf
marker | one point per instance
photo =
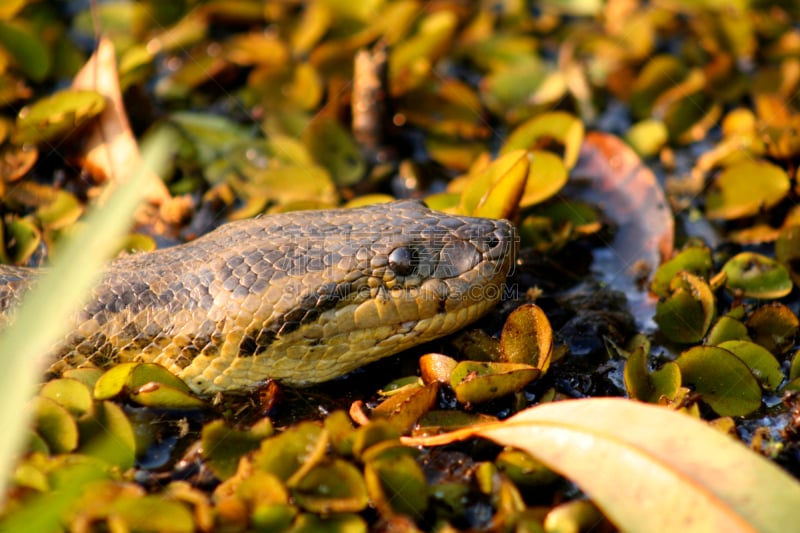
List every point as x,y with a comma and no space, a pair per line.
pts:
523,469
337,523
335,149
71,394
23,240
649,386
55,425
27,48
152,513
726,328
547,175
63,211
695,259
762,363
477,382
774,327
114,381
647,137
223,446
396,484
57,115
787,251
108,435
527,337
161,396
575,7
46,512
335,487
412,59
686,314
495,192
723,380
794,368
291,452
148,383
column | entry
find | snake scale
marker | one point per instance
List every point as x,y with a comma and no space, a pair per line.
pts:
300,297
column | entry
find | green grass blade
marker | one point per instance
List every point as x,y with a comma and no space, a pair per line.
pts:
41,320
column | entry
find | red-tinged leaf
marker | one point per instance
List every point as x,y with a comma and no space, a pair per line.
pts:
629,194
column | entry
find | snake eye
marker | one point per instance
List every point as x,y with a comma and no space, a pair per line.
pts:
403,261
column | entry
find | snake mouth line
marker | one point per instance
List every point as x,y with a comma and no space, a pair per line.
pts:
341,352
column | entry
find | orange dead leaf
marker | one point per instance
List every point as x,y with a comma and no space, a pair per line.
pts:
111,152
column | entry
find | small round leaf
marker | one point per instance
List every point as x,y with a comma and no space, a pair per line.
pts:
762,363
756,276
686,314
746,188
335,487
724,381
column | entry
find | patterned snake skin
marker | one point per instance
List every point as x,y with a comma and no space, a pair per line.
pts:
301,297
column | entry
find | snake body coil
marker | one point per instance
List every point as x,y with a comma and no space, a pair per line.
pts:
301,297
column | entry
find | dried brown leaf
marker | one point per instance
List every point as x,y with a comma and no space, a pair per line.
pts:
111,152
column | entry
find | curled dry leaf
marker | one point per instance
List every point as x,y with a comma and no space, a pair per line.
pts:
644,465
629,194
111,151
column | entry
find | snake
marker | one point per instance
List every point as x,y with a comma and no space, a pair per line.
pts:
299,297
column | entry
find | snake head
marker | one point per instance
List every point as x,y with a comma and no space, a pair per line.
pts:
386,277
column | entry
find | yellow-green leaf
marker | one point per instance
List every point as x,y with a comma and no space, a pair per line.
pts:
56,115
745,188
564,128
546,176
757,276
